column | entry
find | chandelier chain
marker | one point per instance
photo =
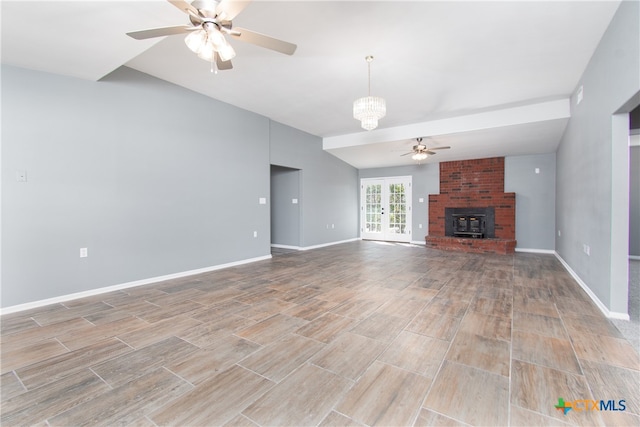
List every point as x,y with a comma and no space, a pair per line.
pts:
369,91
369,59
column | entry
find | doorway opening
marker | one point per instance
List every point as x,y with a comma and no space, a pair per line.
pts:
285,209
625,288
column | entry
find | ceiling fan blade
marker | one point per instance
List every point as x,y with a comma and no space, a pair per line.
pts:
263,41
429,152
184,6
406,154
439,148
229,9
159,32
223,65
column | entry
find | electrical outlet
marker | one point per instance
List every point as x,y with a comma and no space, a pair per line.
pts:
255,234
419,225
559,233
333,226
84,252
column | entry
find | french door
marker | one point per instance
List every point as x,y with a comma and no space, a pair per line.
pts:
385,207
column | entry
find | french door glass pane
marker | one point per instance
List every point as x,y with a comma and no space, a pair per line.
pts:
373,208
397,209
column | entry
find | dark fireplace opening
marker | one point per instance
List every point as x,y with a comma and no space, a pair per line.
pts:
475,223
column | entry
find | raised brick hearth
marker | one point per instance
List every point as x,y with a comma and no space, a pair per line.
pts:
479,184
495,246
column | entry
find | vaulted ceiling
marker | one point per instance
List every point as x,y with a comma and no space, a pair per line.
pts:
486,78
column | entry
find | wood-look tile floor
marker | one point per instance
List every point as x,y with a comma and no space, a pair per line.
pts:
362,333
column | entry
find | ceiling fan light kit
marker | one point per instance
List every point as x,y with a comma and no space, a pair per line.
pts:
369,109
419,156
208,41
420,151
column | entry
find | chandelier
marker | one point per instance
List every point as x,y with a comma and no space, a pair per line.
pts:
208,41
369,109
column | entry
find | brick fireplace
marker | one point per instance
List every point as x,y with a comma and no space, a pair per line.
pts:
471,188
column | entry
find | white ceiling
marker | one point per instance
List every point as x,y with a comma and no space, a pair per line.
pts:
486,78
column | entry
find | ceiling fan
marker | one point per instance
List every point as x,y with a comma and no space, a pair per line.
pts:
420,151
210,21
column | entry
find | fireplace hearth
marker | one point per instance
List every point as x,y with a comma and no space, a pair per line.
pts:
475,223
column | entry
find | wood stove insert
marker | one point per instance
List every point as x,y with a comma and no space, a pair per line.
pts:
477,223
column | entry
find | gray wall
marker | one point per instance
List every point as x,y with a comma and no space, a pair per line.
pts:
588,163
535,199
152,178
425,181
285,215
634,201
126,168
328,190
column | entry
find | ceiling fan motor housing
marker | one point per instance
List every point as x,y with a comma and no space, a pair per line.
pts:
207,8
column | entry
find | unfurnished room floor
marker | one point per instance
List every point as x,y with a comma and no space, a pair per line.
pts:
362,333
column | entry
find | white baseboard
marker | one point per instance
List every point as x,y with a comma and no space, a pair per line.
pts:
634,257
536,251
594,298
308,248
418,242
92,292
293,248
